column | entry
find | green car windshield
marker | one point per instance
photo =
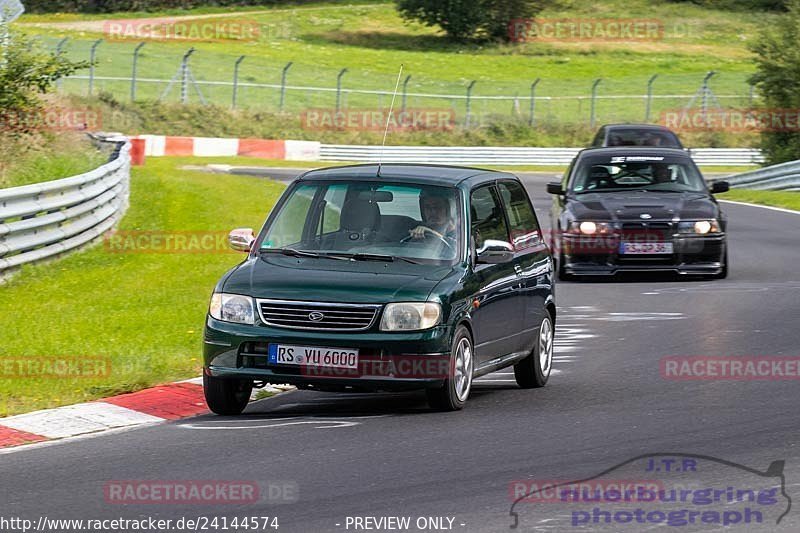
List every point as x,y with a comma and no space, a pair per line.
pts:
358,218
621,173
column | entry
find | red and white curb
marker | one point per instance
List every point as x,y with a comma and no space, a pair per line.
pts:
163,145
173,401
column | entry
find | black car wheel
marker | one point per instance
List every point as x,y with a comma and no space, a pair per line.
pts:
562,274
724,272
454,393
534,370
227,396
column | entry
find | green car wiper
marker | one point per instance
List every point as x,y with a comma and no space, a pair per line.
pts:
290,252
377,257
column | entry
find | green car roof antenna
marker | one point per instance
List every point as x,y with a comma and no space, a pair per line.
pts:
388,121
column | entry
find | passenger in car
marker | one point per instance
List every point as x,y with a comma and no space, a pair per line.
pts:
436,216
662,174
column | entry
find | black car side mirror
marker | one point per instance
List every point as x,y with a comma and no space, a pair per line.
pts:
555,188
720,186
494,252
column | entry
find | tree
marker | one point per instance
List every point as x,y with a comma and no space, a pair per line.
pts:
26,72
470,19
778,80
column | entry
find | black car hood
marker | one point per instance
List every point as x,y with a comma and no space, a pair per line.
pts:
328,280
631,205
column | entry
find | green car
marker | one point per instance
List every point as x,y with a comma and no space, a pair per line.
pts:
385,278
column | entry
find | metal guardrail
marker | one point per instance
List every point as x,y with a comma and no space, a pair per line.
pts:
42,220
488,155
782,177
720,157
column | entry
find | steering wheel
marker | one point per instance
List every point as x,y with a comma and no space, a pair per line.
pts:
432,232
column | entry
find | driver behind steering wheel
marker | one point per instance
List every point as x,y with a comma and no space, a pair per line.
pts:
437,219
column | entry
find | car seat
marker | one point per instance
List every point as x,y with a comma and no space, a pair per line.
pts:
360,220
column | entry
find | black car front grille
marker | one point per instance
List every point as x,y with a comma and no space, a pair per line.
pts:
643,226
317,316
647,231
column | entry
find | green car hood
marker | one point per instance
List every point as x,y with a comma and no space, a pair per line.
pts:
329,280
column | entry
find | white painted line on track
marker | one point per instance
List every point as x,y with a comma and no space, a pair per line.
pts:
318,425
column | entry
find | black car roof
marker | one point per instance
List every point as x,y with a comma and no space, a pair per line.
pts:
412,172
635,150
638,126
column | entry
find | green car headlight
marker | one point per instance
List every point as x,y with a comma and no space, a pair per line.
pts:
411,316
232,308
699,227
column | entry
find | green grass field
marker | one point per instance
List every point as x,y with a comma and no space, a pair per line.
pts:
144,312
371,40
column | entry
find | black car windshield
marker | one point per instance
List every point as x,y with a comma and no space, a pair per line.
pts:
625,173
364,220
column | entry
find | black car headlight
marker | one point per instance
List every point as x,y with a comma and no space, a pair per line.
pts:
699,227
232,308
590,227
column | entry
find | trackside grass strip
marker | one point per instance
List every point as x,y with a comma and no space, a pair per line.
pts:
784,199
136,317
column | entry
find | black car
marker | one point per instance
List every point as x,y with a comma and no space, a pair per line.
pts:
636,135
637,209
392,278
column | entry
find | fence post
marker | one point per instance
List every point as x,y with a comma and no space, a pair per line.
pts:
236,81
283,84
752,95
92,56
135,70
339,89
61,44
5,41
59,50
704,98
531,117
405,93
594,102
185,76
649,97
469,104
